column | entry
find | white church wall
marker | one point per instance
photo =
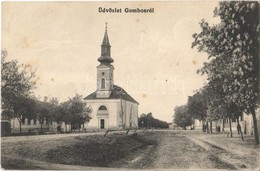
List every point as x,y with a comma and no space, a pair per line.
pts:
113,120
110,120
129,108
135,115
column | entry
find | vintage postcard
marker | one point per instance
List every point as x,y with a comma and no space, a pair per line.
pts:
130,85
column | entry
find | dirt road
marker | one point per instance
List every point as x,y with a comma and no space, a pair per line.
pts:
175,150
147,150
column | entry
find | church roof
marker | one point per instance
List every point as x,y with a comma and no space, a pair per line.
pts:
116,93
105,40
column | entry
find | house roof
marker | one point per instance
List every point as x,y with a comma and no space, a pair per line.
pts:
116,93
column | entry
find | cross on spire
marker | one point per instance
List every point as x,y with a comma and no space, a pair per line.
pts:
106,26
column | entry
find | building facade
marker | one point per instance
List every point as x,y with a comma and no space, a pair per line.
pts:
245,121
113,107
33,125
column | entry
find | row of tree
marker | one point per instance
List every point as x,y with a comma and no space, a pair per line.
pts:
18,100
232,68
148,121
182,117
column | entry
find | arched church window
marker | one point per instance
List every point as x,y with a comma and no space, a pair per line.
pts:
102,108
103,83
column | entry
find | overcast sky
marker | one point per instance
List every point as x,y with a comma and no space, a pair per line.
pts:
152,53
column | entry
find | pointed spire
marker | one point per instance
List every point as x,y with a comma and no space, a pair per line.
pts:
105,49
105,39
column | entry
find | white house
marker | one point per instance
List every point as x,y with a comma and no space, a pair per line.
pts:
246,123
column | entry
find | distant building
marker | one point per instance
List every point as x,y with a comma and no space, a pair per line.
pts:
113,107
33,124
173,125
170,125
245,121
198,124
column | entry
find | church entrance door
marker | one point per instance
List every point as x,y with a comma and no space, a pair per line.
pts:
102,123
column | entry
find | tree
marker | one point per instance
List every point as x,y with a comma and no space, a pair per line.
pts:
59,114
142,121
219,107
85,116
43,111
78,113
197,106
65,114
23,108
53,109
181,116
215,99
149,118
148,121
16,85
233,49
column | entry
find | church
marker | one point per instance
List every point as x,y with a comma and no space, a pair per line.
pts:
113,108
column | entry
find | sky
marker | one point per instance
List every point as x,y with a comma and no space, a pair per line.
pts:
152,53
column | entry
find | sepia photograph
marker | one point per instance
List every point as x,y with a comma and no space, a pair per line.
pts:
128,85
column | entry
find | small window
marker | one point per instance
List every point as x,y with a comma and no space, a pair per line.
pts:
34,121
103,83
102,108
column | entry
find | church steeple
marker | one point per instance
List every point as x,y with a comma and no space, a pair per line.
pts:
105,57
105,78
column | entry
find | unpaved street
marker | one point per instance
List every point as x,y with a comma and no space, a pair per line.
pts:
178,151
148,150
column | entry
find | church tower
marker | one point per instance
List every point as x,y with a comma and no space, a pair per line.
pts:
105,70
113,108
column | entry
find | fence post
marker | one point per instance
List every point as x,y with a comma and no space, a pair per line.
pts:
106,132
